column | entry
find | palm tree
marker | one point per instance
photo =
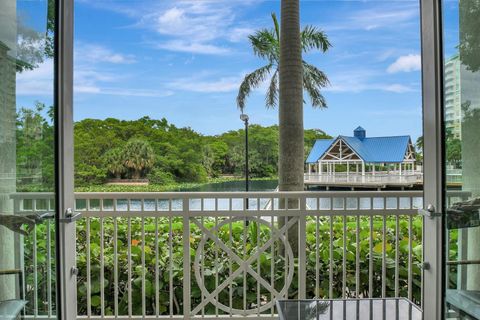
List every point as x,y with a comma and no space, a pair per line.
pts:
115,162
139,157
266,45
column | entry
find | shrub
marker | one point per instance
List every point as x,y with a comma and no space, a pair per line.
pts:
157,176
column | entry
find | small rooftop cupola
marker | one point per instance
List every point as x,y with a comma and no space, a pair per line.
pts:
359,133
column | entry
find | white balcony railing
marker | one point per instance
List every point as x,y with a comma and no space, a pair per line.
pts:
228,255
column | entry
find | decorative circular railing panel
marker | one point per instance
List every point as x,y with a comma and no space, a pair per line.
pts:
244,265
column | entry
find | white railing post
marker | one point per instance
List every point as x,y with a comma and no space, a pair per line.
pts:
302,244
186,258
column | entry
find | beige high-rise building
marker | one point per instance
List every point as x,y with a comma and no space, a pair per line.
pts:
453,109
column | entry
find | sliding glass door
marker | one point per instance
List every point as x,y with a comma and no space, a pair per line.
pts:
33,228
27,160
461,78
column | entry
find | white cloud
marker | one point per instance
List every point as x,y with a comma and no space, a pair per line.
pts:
200,84
240,34
356,81
197,26
193,26
380,16
192,47
361,87
387,15
89,81
408,63
122,92
397,88
93,53
38,81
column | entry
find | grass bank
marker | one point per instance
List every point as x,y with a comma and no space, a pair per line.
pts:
180,186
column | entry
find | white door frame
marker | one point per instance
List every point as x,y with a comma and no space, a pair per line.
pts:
432,97
65,219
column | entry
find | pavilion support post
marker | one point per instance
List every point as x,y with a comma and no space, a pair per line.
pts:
348,168
363,168
320,168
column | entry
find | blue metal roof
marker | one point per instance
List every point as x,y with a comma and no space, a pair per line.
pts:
319,149
379,149
370,150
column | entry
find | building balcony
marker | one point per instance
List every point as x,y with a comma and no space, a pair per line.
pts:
228,255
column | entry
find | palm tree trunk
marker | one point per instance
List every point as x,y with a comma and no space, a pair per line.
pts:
290,164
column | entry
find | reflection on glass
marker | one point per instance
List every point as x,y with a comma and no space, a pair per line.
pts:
27,248
462,125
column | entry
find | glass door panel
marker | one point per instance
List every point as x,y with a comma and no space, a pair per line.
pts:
27,160
462,158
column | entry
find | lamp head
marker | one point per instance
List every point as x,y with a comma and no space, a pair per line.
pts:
244,117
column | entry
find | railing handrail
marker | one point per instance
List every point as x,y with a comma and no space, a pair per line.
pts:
216,194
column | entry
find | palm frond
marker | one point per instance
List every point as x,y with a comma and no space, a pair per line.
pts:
314,38
313,81
251,81
265,45
271,99
276,25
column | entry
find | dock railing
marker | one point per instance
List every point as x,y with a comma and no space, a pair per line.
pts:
377,179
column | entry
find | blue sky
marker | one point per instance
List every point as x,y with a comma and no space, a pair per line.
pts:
184,60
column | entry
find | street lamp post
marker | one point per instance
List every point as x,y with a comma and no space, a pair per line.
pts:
244,118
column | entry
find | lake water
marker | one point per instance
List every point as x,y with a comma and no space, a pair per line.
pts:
229,186
237,204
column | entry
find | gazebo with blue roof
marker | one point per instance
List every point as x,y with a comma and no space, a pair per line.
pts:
362,155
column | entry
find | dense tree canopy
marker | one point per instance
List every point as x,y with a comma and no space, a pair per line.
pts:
144,148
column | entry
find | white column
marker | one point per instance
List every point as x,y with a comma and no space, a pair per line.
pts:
309,168
363,168
320,168
373,169
348,168
400,172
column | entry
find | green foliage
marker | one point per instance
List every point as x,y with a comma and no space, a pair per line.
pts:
454,151
155,149
138,157
162,148
34,150
216,264
115,162
157,176
469,47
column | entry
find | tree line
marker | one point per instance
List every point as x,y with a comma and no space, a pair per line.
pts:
144,149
